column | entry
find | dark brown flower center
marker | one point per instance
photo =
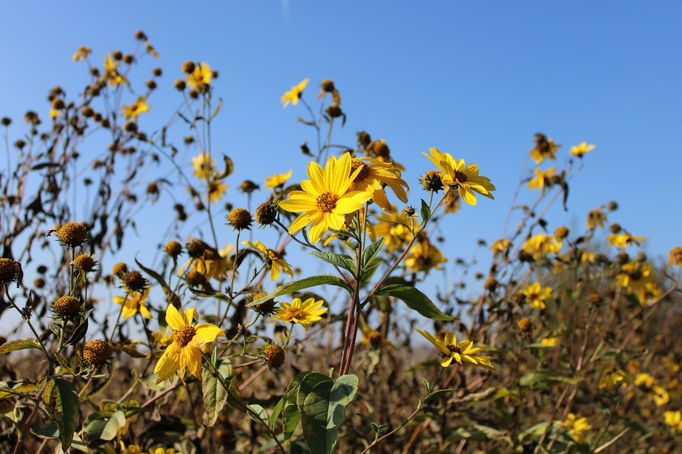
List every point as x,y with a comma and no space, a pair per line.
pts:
326,202
452,348
184,335
364,170
460,177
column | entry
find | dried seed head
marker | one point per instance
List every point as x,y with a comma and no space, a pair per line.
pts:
248,186
119,269
84,263
561,232
431,181
615,228
364,138
180,85
67,306
334,111
196,248
39,282
72,233
524,324
379,149
188,67
266,213
10,271
196,279
134,281
265,308
173,248
239,219
96,352
273,356
327,85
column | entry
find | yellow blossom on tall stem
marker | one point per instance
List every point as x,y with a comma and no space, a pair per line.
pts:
396,228
582,149
623,240
301,312
536,295
111,73
500,246
541,245
204,166
135,109
274,259
189,342
464,178
374,175
292,96
595,218
461,352
277,180
201,76
673,419
424,256
216,190
576,426
134,303
541,178
325,198
545,148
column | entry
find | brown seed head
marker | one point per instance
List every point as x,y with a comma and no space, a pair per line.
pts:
239,219
196,248
431,181
184,335
72,233
266,213
248,186
188,67
84,263
196,279
10,271
561,232
67,306
273,356
96,352
173,248
265,308
134,281
119,269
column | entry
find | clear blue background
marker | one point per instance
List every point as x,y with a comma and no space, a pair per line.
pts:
476,79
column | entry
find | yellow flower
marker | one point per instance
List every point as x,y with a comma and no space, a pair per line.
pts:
216,190
273,258
134,303
623,240
304,313
661,396
541,245
111,73
612,378
645,380
582,149
545,148
458,175
395,228
325,198
549,341
81,54
595,218
204,166
277,180
541,178
576,426
536,295
293,95
185,352
675,256
461,352
424,256
212,264
374,175
673,419
201,76
500,246
637,278
588,257
131,449
135,109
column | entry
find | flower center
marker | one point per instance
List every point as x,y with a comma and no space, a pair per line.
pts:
454,348
460,177
364,170
297,313
326,202
184,335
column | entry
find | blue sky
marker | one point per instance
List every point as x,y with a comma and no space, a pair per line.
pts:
476,79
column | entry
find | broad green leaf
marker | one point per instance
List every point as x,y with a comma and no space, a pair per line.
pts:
20,344
116,422
415,300
344,261
214,393
312,281
425,211
258,413
372,252
438,394
64,403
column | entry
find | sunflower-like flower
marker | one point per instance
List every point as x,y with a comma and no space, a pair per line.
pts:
576,426
189,342
460,352
623,240
135,109
541,245
216,190
536,295
595,218
637,278
277,180
500,246
541,178
111,72
675,256
134,303
395,227
545,148
424,256
273,258
292,96
458,175
204,166
673,419
212,263
582,149
81,54
374,175
200,77
302,312
326,197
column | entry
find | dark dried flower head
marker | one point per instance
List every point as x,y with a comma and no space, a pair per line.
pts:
248,186
196,248
266,213
67,306
273,355
173,248
239,219
119,269
265,308
72,233
561,232
96,352
134,281
196,279
84,263
431,181
188,67
10,271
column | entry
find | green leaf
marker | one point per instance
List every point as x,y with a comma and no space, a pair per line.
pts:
542,378
372,251
425,211
116,422
20,344
64,403
344,261
323,408
437,394
258,413
415,300
312,281
214,393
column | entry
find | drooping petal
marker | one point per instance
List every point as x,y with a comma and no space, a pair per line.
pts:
301,221
174,319
168,363
207,332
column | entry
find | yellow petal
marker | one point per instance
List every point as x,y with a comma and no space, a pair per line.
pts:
207,332
174,319
168,363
